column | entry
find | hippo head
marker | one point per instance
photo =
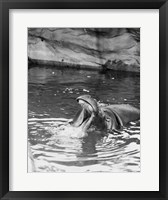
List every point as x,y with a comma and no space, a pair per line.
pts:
104,118
85,117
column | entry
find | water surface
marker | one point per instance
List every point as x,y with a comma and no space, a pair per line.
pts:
52,93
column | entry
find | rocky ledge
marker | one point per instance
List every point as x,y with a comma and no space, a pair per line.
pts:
95,48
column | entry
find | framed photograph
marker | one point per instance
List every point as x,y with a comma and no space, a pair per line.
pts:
83,99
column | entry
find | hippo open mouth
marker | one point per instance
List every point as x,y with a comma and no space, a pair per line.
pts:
107,117
84,118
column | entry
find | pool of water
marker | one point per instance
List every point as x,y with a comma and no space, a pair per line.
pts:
51,103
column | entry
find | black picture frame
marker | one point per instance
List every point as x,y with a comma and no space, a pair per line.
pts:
5,6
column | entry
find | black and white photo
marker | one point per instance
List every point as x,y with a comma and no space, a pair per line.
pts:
83,100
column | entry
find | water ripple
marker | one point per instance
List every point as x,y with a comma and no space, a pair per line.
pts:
55,152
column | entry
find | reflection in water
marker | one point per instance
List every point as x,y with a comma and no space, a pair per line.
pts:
52,94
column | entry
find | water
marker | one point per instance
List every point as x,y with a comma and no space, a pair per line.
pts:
51,103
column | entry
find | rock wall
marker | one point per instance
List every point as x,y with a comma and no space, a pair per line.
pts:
115,48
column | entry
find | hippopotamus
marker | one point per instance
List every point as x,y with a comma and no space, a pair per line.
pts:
103,117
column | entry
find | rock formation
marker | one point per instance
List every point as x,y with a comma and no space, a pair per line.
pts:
111,48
